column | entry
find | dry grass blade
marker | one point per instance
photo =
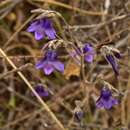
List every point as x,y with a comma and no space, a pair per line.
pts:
71,8
19,29
35,93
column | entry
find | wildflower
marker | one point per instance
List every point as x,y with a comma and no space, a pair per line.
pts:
41,91
50,62
117,55
111,59
112,54
106,100
41,28
89,53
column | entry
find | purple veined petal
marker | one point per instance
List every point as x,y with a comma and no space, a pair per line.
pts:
33,27
41,91
87,48
58,65
47,23
49,30
102,103
40,64
114,101
107,104
89,58
50,33
51,55
106,100
106,93
48,68
117,55
39,34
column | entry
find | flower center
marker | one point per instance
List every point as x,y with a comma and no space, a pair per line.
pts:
106,93
51,55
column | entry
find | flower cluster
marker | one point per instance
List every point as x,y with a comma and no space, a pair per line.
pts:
111,55
42,27
89,53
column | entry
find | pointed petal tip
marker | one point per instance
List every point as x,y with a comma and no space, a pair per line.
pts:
59,66
38,35
48,70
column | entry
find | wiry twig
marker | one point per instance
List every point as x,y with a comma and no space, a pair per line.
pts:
99,25
15,70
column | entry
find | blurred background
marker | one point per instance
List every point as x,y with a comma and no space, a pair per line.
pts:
99,22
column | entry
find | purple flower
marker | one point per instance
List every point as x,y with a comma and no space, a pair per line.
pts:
41,28
41,91
106,100
111,59
112,54
89,52
49,63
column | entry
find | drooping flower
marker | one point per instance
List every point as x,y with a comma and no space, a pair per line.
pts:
41,91
112,54
41,28
50,62
106,100
111,59
89,53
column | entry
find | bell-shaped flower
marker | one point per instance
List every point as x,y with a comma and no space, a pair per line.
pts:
41,28
111,59
50,63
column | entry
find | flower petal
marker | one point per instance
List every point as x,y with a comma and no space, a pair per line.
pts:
39,34
99,103
89,58
107,104
114,101
33,27
40,64
59,66
113,63
87,48
49,30
48,69
47,23
50,33
41,91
